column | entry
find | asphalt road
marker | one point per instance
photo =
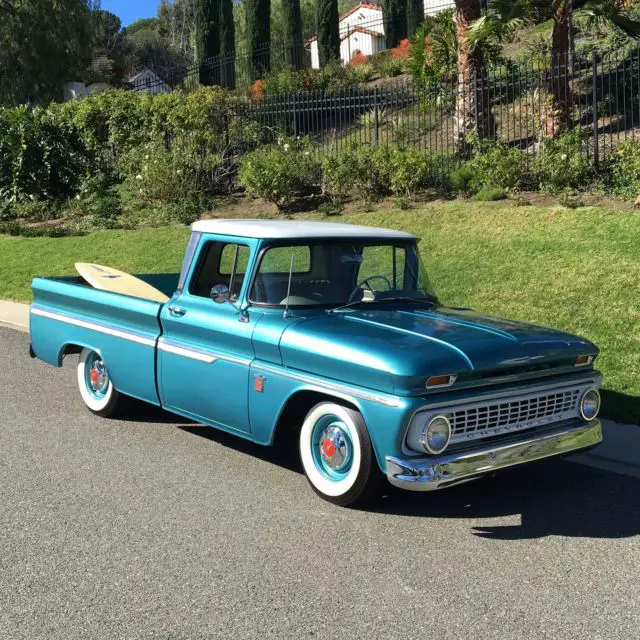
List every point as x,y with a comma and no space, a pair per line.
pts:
158,528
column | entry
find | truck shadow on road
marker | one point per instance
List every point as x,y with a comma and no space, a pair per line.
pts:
558,497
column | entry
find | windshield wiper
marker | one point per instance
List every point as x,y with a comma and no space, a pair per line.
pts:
428,299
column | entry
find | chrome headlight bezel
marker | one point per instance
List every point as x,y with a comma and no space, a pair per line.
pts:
598,401
424,440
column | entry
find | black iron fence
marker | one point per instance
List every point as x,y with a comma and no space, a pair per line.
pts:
517,104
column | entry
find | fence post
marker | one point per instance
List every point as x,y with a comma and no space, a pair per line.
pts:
375,116
594,97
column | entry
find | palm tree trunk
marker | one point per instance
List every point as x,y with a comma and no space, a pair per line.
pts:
473,108
555,110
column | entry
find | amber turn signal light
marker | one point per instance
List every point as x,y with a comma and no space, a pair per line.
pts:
441,381
581,361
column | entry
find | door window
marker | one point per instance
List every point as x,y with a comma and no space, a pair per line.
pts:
221,263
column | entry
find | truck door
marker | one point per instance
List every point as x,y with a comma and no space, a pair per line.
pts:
205,350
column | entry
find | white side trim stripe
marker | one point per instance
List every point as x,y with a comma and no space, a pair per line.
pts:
201,356
100,328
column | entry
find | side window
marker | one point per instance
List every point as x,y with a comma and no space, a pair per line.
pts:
220,263
386,261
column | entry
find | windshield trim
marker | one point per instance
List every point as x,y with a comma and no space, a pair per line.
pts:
296,242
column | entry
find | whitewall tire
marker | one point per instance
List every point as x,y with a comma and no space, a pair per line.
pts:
96,388
337,456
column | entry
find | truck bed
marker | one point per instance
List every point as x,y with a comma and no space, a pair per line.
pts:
68,314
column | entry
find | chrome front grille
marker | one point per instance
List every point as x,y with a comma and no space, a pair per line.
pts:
481,420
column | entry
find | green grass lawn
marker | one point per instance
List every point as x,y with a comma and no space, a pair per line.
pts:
577,270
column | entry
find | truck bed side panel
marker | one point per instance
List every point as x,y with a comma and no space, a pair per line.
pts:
122,329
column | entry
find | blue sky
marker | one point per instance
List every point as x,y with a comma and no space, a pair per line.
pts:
130,10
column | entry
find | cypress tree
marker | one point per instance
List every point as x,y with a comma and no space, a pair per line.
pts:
259,36
292,18
415,15
208,40
227,44
328,31
394,14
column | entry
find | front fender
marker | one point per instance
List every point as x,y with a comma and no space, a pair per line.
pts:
386,416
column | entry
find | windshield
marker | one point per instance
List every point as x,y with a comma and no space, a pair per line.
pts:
337,273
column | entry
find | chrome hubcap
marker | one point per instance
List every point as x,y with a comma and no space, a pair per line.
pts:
98,378
334,447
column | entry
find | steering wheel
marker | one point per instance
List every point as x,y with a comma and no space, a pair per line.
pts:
366,282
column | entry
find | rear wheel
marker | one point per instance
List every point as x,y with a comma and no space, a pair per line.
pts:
337,455
96,387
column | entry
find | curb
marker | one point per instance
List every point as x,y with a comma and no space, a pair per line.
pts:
619,453
14,315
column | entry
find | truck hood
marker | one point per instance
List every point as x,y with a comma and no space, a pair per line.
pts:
396,350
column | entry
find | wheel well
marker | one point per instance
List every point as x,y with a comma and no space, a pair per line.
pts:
67,350
294,412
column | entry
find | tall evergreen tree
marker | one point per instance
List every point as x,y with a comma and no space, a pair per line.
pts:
328,31
292,20
394,14
259,36
227,44
208,40
415,15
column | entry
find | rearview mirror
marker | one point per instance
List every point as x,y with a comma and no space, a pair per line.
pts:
220,293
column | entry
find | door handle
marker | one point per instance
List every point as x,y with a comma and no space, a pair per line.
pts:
177,311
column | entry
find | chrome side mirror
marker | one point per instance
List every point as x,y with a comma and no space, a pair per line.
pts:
220,293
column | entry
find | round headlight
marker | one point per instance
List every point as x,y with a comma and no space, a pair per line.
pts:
590,404
436,435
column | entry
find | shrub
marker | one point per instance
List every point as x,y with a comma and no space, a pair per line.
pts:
412,170
570,199
390,66
562,163
280,174
334,76
41,157
358,59
362,72
489,193
502,166
359,171
624,172
465,180
403,50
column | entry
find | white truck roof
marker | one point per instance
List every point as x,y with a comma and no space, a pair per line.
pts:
298,229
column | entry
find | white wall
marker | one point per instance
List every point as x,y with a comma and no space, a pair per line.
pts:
366,43
431,7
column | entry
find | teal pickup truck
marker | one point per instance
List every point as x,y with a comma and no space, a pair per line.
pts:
329,334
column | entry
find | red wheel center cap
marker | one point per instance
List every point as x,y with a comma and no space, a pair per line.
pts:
94,376
328,448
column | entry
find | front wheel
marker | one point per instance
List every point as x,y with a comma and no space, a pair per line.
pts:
337,455
96,387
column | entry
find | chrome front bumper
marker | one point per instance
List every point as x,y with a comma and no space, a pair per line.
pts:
429,474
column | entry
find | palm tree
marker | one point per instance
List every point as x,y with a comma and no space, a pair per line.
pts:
473,110
503,16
